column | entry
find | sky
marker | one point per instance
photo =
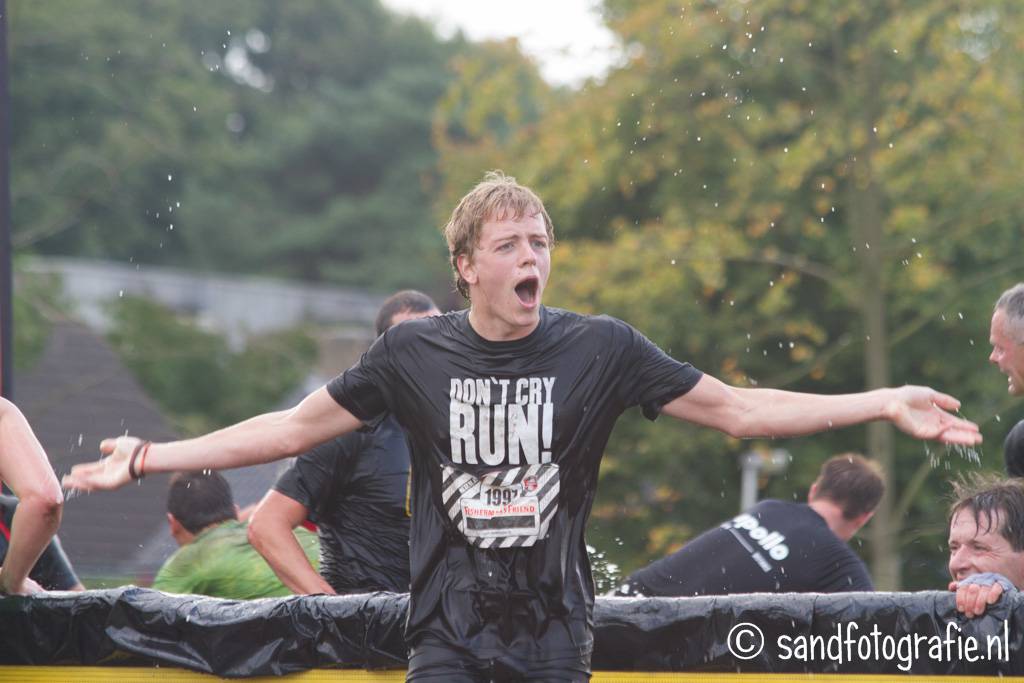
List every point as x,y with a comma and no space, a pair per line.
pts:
566,37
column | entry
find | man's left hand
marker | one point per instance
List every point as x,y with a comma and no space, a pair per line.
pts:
922,413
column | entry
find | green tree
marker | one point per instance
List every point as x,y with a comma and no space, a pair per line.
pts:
36,304
195,377
280,138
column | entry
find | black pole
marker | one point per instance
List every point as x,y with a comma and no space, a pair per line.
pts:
6,279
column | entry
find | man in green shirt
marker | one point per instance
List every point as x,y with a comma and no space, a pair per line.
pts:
215,557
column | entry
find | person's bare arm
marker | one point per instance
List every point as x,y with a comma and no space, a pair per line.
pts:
745,413
270,532
25,468
260,439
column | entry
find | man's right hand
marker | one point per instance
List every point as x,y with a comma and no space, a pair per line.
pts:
108,473
974,598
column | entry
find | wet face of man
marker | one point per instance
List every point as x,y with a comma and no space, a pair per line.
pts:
507,273
1007,352
977,548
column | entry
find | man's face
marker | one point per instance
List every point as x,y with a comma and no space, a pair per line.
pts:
977,548
1007,353
506,275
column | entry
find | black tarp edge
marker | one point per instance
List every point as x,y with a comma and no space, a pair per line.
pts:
874,633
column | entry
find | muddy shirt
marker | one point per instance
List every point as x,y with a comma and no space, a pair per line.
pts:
52,570
221,563
506,442
775,547
355,488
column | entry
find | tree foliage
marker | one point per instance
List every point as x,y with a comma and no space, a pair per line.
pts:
38,303
280,138
195,376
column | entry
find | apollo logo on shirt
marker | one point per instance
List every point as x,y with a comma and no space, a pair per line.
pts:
501,421
771,541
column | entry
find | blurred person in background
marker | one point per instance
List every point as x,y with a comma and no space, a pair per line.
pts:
355,489
25,469
1006,334
215,557
777,546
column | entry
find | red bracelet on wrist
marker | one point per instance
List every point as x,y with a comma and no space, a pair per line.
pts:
140,448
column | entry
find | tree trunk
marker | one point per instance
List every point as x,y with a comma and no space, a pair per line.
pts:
866,215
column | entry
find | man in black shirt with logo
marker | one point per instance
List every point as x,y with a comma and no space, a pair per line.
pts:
508,406
777,546
355,488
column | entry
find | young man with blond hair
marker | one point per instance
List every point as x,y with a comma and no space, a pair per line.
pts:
508,406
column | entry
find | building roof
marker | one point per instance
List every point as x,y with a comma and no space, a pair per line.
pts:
76,394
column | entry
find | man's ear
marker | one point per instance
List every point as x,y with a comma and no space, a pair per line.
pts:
812,492
175,525
467,269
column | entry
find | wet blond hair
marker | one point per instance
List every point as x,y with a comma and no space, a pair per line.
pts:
497,196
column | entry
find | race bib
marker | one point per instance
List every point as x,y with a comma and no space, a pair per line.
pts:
507,508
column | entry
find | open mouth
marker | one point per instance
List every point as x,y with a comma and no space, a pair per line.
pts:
527,291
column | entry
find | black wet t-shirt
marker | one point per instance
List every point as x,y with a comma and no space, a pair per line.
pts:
52,570
506,441
356,490
775,547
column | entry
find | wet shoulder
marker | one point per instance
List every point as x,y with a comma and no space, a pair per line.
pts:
408,333
602,331
787,513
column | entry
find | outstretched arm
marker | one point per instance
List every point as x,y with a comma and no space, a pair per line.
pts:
270,532
260,439
25,468
918,411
